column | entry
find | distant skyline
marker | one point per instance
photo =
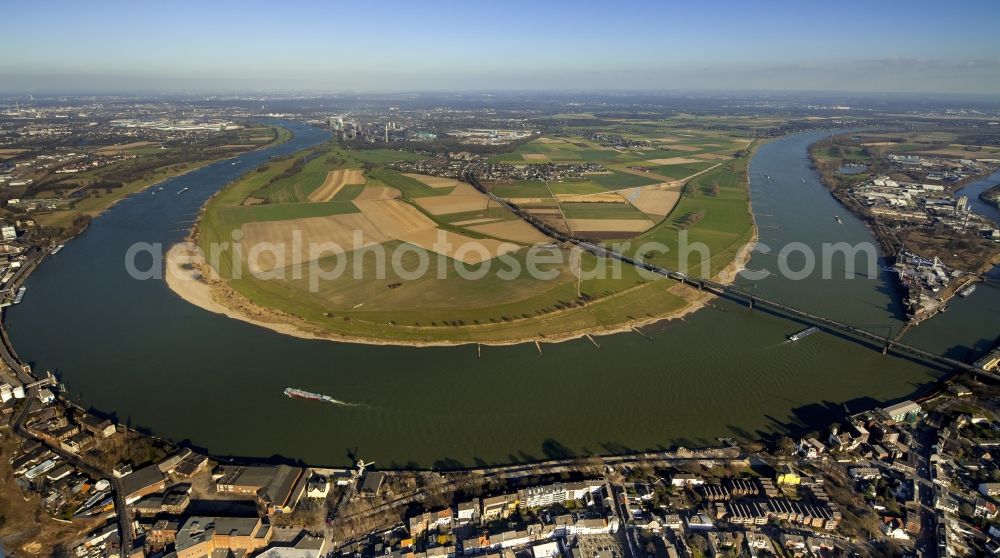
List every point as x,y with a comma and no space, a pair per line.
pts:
184,46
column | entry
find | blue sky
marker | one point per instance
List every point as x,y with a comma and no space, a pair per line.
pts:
476,45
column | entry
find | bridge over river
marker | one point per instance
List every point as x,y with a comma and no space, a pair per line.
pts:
887,342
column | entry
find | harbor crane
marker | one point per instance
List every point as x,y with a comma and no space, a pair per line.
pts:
362,465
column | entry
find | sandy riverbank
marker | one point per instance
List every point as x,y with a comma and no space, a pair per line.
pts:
192,279
188,276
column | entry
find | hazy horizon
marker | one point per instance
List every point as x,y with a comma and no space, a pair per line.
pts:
913,47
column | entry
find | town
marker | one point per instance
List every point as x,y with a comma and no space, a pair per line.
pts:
893,481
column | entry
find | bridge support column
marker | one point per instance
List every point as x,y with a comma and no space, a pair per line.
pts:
886,347
751,303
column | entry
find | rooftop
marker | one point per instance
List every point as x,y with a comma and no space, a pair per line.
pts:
141,479
196,530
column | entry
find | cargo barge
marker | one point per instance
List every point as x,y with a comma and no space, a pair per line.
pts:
295,393
804,333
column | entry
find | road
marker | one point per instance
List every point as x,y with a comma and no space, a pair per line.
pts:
923,441
555,467
121,510
625,537
7,353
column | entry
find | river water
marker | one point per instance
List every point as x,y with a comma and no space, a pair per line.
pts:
133,349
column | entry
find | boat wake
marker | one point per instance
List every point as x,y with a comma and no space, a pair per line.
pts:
302,394
345,403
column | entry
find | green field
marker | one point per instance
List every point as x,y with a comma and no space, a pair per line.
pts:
349,192
383,155
574,210
494,211
619,180
521,189
285,211
681,171
410,187
596,183
577,187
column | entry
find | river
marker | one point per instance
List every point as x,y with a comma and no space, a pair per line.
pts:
135,350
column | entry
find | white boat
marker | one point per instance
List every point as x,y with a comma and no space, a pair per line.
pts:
57,249
182,190
804,333
967,290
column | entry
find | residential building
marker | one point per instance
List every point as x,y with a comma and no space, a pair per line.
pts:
468,511
686,479
700,522
788,477
540,496
903,411
549,549
318,487
499,506
98,427
989,488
